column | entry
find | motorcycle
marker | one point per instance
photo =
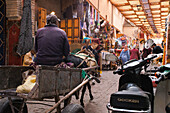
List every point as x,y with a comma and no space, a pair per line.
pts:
162,95
135,92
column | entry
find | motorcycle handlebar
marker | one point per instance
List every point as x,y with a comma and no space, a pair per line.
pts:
141,63
152,57
159,80
119,71
115,72
162,76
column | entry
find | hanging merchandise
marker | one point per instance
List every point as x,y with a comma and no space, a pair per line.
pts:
87,18
103,23
96,30
92,15
80,12
25,37
98,19
95,15
123,40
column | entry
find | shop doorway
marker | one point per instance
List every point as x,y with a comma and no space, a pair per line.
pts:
72,29
2,31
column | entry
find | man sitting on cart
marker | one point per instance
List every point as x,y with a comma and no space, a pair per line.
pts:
51,43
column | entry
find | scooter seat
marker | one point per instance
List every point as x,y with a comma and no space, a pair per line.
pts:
132,98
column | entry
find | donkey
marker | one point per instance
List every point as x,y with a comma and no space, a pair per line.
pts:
83,63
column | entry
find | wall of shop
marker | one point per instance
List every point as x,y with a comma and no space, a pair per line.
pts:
109,12
102,8
118,19
131,31
66,3
58,6
50,5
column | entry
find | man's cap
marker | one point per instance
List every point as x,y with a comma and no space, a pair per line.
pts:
52,18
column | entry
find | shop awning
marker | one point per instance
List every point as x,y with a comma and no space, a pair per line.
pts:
148,14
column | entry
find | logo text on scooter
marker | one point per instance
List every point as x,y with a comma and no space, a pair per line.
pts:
128,100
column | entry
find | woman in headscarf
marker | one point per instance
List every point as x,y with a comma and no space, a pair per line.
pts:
134,53
124,55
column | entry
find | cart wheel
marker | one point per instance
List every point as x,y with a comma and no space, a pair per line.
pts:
17,103
73,108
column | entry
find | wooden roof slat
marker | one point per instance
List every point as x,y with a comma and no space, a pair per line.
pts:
120,5
166,3
164,0
131,18
128,14
132,0
164,9
156,14
154,3
124,7
134,14
118,1
125,10
155,9
156,18
155,6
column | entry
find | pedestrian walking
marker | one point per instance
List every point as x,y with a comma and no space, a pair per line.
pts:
146,52
125,55
134,53
156,49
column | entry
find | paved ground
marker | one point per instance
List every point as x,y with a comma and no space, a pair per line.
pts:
101,93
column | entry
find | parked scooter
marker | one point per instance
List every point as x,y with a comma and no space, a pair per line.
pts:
162,95
135,93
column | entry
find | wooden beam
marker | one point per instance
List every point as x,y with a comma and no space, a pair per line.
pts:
119,5
153,9
133,18
154,3
129,14
132,0
164,0
164,11
125,10
156,13
164,6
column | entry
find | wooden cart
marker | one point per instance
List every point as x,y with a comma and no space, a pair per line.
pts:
50,82
109,61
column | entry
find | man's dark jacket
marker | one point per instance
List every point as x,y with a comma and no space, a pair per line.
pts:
157,50
51,44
